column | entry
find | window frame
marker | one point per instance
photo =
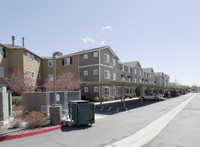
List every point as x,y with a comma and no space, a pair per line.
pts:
85,56
2,75
95,54
96,89
50,65
96,72
85,72
85,89
106,58
106,71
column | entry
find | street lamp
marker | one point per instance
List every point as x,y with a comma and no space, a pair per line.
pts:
54,74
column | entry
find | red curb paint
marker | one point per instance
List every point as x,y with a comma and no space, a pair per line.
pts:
31,133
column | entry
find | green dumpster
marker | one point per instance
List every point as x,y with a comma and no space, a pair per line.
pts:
82,112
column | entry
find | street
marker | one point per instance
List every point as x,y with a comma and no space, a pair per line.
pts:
112,127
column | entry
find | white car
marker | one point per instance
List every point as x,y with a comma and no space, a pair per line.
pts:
153,97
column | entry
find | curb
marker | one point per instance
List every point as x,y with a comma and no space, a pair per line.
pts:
31,133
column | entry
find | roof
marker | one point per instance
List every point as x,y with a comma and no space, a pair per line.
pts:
9,46
148,70
91,50
132,63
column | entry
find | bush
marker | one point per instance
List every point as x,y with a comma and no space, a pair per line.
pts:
96,99
35,119
107,98
17,100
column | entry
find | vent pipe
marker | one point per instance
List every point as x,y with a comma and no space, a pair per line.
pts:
13,40
23,41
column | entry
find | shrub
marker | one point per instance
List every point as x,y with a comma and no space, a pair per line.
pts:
35,119
17,100
96,99
117,97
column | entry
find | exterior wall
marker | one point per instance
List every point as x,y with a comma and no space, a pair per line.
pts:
125,73
90,94
73,68
15,57
34,101
90,60
137,76
34,66
108,66
4,64
91,76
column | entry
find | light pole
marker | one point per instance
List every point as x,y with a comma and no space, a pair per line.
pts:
54,75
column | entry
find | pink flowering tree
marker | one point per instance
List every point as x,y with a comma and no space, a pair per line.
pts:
65,82
20,82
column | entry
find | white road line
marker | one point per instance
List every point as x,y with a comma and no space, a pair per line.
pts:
149,132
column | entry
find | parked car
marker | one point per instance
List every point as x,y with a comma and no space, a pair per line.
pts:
153,97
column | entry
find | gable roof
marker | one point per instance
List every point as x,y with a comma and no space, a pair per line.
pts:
148,70
133,63
91,50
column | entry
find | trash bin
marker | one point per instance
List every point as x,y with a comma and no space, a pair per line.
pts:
82,112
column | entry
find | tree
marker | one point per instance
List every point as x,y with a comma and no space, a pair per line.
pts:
20,82
64,82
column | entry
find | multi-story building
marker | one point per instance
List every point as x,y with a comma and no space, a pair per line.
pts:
94,65
150,75
136,71
162,79
17,57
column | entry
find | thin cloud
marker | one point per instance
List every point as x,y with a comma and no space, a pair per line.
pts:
87,40
102,43
107,28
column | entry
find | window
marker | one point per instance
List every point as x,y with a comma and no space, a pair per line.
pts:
39,60
95,54
39,76
135,80
32,57
106,58
28,55
96,89
85,72
67,61
122,67
95,71
106,90
140,81
140,72
114,76
149,75
122,77
1,72
106,74
114,91
135,71
114,62
33,74
129,78
50,63
29,73
2,52
128,69
85,89
85,56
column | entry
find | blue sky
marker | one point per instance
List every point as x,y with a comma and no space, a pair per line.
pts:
163,34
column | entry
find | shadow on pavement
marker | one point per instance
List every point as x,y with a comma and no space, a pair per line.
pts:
75,128
117,107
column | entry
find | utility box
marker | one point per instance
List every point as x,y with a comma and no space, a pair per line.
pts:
5,103
82,112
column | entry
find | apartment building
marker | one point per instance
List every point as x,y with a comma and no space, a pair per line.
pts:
94,65
17,57
162,79
136,71
99,64
149,75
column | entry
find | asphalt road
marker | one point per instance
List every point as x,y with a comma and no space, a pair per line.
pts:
112,126
184,130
